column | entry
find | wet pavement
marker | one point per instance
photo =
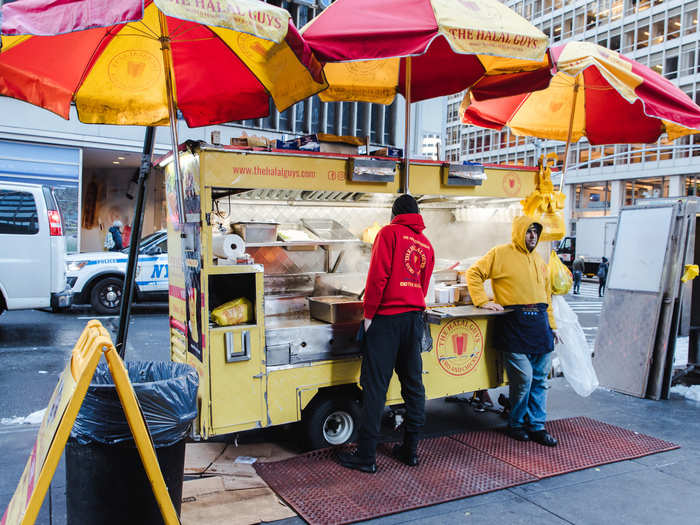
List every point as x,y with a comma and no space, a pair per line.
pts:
658,489
34,349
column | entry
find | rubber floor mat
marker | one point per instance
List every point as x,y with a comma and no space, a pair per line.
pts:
323,492
583,443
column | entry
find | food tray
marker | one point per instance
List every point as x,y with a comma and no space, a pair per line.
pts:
298,235
336,309
327,229
256,231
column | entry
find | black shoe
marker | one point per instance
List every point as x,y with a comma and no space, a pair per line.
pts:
353,461
518,434
543,438
405,456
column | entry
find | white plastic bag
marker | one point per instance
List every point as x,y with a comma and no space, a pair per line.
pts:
574,354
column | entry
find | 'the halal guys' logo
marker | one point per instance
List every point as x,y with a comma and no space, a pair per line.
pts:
460,345
511,184
414,259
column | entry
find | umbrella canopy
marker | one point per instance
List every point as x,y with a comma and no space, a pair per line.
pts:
227,59
139,63
452,45
596,93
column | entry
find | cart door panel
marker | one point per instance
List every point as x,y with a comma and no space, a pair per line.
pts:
462,359
238,383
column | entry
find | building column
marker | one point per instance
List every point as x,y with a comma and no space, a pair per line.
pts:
568,206
617,191
676,186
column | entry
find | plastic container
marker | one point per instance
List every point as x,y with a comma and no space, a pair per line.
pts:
105,480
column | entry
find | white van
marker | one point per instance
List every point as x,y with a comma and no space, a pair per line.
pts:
32,249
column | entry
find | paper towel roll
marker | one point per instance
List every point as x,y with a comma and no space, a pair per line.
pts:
229,246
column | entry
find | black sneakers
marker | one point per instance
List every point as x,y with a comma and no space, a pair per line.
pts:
543,438
353,461
519,434
406,456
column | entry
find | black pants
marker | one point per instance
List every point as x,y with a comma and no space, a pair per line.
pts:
601,286
391,343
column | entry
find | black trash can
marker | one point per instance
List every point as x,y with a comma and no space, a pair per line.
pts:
105,480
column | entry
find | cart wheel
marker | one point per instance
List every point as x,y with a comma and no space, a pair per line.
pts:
331,420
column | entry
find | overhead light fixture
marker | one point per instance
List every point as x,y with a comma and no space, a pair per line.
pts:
121,158
115,162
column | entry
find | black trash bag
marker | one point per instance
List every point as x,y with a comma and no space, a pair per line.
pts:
167,393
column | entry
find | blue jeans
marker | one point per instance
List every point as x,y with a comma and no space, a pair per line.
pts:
578,275
527,379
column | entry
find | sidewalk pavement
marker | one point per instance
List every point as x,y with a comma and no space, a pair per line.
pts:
656,489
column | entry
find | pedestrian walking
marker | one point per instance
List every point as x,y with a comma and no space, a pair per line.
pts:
602,276
526,335
400,269
578,267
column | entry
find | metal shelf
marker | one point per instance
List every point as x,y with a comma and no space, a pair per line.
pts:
303,243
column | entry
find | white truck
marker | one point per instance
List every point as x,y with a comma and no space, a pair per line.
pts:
594,239
32,248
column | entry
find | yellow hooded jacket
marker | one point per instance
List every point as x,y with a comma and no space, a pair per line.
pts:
518,276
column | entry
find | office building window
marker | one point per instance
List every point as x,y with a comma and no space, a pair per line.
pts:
286,119
658,29
615,41
331,112
642,34
348,118
673,29
269,121
688,60
300,117
690,19
375,129
592,196
315,114
389,112
651,188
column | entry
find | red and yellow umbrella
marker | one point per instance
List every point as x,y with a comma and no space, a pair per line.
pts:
596,93
140,63
445,46
424,49
120,62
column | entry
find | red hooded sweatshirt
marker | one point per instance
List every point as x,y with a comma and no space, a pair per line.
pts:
400,269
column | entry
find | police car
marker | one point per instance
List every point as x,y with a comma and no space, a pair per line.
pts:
96,278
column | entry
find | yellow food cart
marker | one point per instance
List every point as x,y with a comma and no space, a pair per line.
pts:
282,365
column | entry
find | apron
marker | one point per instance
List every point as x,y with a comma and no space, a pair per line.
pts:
525,330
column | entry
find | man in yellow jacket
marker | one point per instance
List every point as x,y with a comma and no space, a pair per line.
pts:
526,334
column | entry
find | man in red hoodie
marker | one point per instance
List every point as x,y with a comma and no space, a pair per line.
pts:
399,271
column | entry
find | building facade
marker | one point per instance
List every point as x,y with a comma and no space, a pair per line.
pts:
431,144
662,34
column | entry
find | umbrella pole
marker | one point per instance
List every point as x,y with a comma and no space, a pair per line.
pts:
407,130
172,112
568,137
130,277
